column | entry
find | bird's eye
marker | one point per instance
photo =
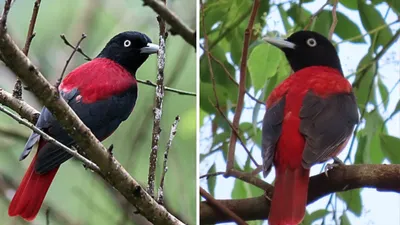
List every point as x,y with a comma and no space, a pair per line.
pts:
311,42
127,43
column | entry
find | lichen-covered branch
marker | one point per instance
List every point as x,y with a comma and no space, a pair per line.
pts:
157,110
172,135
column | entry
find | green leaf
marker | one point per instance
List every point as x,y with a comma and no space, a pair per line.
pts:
323,22
347,29
220,138
361,155
370,147
207,99
263,64
394,4
371,19
212,179
284,17
364,81
383,91
344,220
235,38
390,145
256,110
299,15
396,109
353,200
351,4
376,2
314,216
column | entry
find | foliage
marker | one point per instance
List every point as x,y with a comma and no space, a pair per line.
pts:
374,26
77,194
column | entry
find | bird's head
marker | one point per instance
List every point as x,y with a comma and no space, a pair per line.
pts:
307,48
130,49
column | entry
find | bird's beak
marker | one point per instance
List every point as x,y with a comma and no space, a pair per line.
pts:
280,43
150,49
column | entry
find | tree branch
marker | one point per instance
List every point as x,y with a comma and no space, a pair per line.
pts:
172,135
177,25
48,138
159,96
22,108
111,170
221,207
342,178
242,86
17,92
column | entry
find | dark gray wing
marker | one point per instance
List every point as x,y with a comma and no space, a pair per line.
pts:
326,124
44,122
271,131
102,118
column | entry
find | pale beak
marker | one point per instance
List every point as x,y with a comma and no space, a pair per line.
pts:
280,43
150,49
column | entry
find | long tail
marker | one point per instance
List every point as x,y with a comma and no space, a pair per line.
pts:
31,192
290,197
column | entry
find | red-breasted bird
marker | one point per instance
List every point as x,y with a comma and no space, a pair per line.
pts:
102,93
309,119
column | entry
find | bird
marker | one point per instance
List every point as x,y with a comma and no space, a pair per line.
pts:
103,93
309,119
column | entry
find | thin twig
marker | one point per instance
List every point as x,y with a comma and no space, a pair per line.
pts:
66,42
236,133
334,20
229,28
48,138
17,91
176,24
48,216
315,15
369,32
31,34
208,53
146,82
242,86
213,202
230,75
70,57
251,179
22,108
375,59
157,108
165,167
208,56
208,175
4,15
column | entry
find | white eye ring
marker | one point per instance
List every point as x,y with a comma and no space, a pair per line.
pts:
127,43
311,42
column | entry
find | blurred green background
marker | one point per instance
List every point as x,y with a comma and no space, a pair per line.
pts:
78,196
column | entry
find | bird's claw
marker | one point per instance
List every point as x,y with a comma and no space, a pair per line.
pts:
336,163
110,150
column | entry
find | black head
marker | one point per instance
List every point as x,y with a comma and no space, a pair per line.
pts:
130,49
307,48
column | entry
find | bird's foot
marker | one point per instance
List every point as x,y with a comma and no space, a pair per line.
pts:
110,150
336,163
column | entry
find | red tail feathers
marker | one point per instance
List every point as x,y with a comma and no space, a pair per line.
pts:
290,197
31,192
